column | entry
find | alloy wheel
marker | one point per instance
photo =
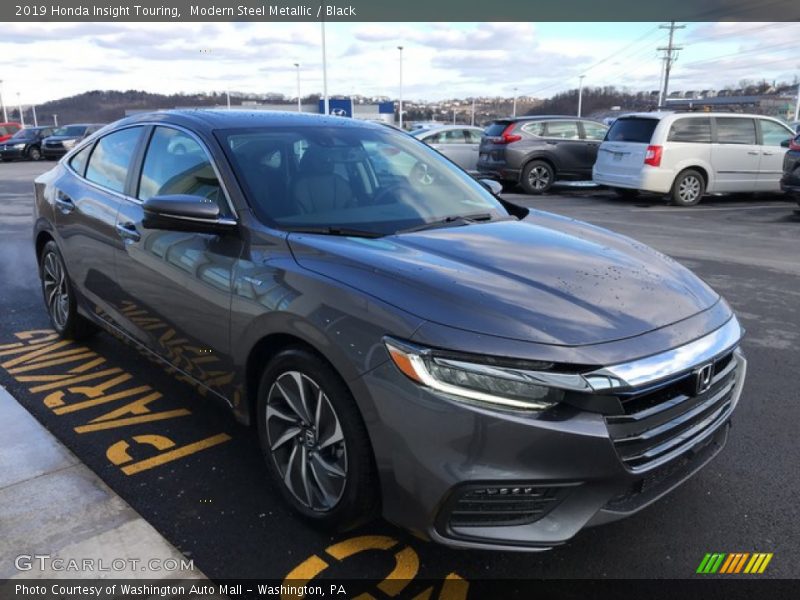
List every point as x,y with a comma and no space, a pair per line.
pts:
539,178
306,441
689,189
56,292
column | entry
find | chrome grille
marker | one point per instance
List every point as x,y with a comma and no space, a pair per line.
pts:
663,421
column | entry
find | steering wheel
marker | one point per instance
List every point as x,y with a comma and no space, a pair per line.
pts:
421,174
400,193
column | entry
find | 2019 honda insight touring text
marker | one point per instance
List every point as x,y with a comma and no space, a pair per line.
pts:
405,342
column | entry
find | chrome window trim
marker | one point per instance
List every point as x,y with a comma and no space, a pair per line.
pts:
67,157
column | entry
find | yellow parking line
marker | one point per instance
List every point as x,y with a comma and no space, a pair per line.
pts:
166,457
170,414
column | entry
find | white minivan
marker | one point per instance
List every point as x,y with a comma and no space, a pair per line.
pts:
687,155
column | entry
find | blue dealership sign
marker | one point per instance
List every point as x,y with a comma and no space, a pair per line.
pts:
340,107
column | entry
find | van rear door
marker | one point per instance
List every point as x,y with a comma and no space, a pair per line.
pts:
622,153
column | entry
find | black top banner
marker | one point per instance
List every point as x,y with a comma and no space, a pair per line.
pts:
402,10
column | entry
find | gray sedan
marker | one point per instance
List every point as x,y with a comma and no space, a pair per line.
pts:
459,143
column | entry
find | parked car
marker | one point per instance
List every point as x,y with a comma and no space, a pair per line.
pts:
459,143
537,151
687,155
405,342
790,183
26,143
8,129
66,137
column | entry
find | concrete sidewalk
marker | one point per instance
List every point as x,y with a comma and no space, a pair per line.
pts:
51,504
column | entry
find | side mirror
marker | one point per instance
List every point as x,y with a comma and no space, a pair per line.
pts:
494,187
786,143
183,212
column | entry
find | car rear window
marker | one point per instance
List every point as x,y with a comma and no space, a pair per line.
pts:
632,129
496,128
695,129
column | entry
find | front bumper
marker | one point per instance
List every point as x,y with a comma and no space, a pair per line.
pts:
440,459
49,152
12,153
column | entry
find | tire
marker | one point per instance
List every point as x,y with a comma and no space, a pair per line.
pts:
626,193
688,188
320,460
59,296
34,153
537,177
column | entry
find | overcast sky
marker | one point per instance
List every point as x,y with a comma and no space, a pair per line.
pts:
46,61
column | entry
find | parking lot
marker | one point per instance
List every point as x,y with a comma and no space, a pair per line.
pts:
212,500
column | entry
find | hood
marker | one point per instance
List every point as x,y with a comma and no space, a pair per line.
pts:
546,279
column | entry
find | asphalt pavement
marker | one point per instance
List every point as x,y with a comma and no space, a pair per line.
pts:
206,490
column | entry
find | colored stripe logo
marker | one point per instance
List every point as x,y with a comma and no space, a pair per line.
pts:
733,563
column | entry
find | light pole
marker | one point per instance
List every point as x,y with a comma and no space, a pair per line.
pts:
55,120
400,103
514,110
5,115
228,97
472,119
325,102
797,104
580,94
35,120
454,116
299,106
21,116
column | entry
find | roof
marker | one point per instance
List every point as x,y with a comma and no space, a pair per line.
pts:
544,118
233,119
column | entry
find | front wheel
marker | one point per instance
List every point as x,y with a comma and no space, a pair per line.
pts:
688,187
537,177
59,297
34,153
315,442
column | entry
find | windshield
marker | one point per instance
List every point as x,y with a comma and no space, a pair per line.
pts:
351,178
24,134
70,130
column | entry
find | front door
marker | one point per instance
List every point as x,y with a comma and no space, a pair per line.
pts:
175,286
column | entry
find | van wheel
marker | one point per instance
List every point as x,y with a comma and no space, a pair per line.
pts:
688,188
59,296
626,194
537,177
315,443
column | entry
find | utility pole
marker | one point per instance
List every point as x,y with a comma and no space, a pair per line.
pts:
580,94
670,56
514,108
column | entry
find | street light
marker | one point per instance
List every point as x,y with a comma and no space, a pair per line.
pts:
299,106
5,115
21,116
55,120
472,119
400,104
326,103
228,97
797,104
35,120
514,110
580,93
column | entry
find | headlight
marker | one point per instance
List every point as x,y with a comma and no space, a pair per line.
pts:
509,387
69,143
18,146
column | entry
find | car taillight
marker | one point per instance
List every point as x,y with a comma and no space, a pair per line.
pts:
507,137
652,156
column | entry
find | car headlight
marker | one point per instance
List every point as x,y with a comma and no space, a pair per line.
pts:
18,146
69,143
485,383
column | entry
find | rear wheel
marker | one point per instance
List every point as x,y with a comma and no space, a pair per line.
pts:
315,442
537,177
59,296
34,153
688,187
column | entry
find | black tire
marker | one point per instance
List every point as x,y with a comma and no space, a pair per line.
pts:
688,188
537,177
34,153
626,194
59,296
340,503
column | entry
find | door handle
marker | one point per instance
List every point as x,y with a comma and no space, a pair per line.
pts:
64,202
127,231
768,153
753,153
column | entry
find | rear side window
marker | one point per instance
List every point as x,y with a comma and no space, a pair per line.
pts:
109,162
496,128
736,130
176,164
535,128
632,130
594,131
696,130
78,162
563,130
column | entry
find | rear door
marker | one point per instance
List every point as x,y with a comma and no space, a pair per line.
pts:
770,170
563,140
453,144
735,154
175,286
593,134
87,198
621,155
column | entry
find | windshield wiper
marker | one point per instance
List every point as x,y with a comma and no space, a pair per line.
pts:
455,221
333,230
